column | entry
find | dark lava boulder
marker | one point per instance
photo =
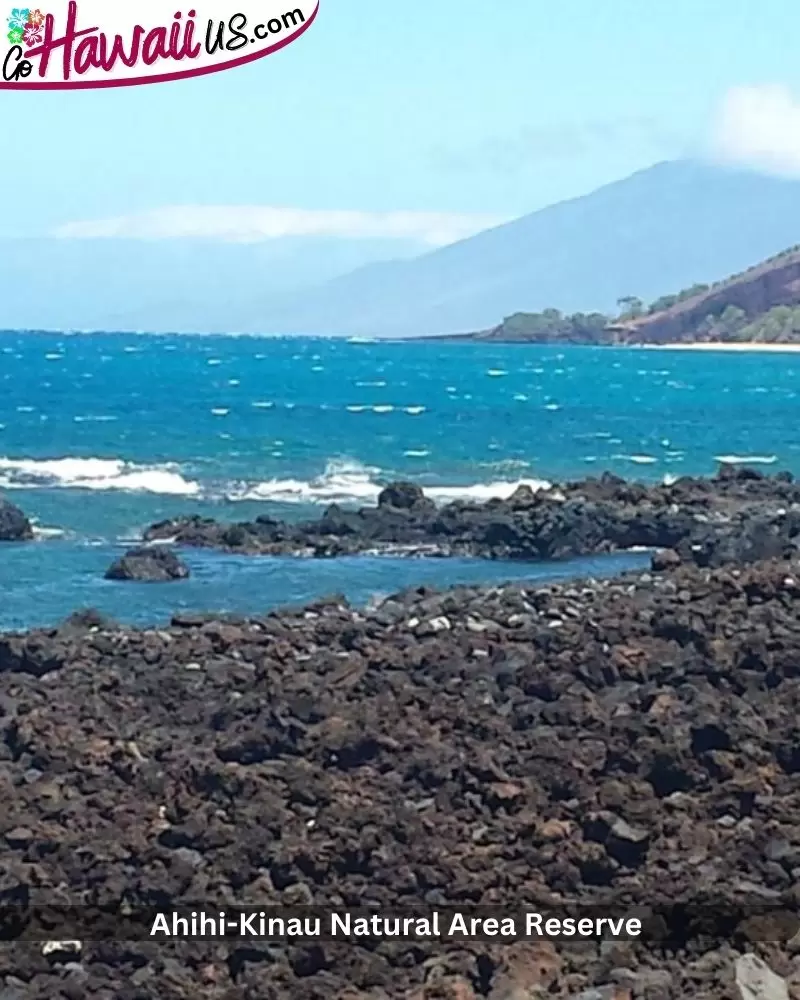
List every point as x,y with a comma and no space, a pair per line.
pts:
522,497
665,560
403,496
86,620
14,525
148,565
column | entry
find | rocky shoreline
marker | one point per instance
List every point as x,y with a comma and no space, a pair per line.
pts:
740,516
629,742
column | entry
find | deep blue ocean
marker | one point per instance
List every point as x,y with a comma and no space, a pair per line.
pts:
102,434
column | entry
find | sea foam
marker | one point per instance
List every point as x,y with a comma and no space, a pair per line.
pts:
347,481
94,474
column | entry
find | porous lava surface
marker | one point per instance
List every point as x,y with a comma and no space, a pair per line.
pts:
739,516
629,741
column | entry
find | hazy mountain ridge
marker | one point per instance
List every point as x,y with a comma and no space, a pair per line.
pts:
175,285
664,228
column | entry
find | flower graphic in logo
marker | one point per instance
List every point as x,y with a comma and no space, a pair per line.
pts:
33,35
26,26
19,18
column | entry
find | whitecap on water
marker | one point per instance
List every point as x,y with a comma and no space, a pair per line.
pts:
636,459
262,406
746,459
220,412
213,362
496,372
415,411
412,453
382,409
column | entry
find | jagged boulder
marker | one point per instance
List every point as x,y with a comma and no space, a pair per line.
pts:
155,564
14,525
402,496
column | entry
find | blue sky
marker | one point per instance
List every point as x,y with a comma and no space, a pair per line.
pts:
445,106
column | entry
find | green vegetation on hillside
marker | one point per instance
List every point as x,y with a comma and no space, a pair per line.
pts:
779,325
724,322
552,326
672,300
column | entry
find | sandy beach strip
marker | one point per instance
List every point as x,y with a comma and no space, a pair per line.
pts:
744,348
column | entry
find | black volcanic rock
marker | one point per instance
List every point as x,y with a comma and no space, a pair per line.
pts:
403,496
14,525
738,516
623,747
148,564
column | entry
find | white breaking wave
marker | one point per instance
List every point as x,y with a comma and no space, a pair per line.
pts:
746,459
94,474
342,481
41,534
636,459
502,489
348,481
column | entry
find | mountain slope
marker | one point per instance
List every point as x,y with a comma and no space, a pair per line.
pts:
760,304
170,285
664,228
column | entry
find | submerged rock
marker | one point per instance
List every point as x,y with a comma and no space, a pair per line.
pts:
14,525
148,564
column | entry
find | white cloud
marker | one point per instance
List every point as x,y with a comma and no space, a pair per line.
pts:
251,224
759,126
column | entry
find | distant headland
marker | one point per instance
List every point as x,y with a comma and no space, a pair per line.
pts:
758,308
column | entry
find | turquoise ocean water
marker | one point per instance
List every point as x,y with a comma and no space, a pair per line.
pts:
103,434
